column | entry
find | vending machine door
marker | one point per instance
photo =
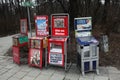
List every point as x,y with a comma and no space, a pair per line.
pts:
56,51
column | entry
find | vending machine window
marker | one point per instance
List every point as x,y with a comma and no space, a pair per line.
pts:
56,52
55,47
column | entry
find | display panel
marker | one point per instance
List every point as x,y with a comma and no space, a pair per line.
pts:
87,66
84,23
35,43
15,41
35,57
56,45
94,50
60,25
56,59
86,54
41,23
23,39
23,26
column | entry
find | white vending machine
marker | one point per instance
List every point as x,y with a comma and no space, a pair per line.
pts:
87,45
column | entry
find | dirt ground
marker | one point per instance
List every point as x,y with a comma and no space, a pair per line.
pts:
112,57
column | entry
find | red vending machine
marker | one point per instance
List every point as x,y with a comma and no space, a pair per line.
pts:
38,44
20,41
57,44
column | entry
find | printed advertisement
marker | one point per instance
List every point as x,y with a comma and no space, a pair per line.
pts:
35,57
60,25
83,23
23,27
56,59
41,25
23,39
35,44
15,41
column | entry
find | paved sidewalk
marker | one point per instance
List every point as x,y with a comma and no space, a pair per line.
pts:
12,71
5,44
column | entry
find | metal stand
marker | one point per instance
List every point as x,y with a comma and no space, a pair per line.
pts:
46,57
67,65
29,22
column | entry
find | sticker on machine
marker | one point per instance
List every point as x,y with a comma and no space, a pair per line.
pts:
59,23
55,59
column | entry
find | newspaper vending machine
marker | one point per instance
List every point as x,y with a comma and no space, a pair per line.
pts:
57,44
19,42
87,45
38,44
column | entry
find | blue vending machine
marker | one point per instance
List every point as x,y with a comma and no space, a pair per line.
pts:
87,45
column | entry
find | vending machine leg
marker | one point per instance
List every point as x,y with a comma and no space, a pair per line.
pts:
45,57
65,62
83,73
67,65
97,71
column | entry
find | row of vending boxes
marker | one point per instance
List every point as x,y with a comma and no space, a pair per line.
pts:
35,49
37,55
33,42
36,42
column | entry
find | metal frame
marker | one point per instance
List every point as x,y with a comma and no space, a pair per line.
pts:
67,65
